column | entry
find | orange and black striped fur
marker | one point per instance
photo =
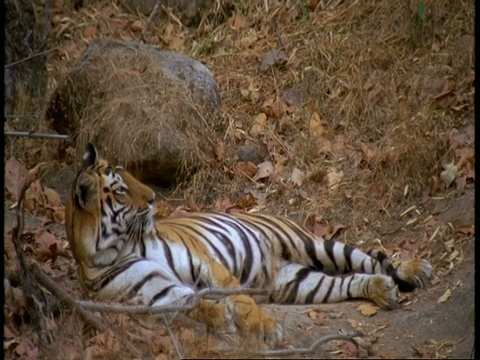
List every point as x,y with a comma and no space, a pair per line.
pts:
125,255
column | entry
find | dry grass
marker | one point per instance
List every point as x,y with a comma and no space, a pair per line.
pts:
388,90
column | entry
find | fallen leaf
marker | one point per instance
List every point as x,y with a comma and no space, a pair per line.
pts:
367,153
297,177
446,295
220,150
237,22
367,310
89,32
280,162
260,196
466,230
264,170
137,26
315,126
258,125
272,58
350,350
449,174
461,182
334,178
246,202
15,176
246,168
318,317
52,198
59,215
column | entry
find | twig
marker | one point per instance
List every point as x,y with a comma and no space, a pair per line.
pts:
150,18
32,56
306,351
20,116
279,35
172,336
50,285
30,289
36,135
190,303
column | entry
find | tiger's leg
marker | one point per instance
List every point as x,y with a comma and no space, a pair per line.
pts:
240,311
297,284
339,258
145,282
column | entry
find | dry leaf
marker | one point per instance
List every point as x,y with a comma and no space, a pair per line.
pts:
137,26
247,202
246,168
280,162
274,57
367,310
315,126
466,230
297,177
89,32
15,176
318,317
367,153
52,198
264,170
350,350
446,295
449,174
333,178
237,22
59,215
258,125
220,150
162,209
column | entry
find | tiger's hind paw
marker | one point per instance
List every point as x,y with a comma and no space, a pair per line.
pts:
254,322
383,291
416,273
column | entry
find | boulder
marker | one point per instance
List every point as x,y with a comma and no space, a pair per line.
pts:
152,111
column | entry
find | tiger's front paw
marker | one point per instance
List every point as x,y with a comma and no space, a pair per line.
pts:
253,321
383,291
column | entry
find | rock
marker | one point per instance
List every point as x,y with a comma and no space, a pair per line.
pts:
150,110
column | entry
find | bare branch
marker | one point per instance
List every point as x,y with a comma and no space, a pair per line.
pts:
32,56
190,303
150,18
305,351
31,292
50,285
172,336
36,135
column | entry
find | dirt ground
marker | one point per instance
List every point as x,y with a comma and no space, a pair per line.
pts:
422,327
367,119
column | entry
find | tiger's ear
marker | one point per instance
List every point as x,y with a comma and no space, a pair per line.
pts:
86,192
90,156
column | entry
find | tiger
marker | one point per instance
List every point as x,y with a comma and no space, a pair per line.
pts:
124,253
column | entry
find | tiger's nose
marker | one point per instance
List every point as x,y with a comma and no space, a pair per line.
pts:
151,200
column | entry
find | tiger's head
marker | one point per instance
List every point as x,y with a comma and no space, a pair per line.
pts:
106,206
